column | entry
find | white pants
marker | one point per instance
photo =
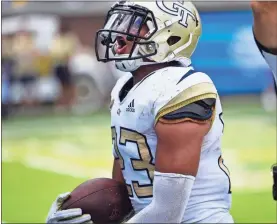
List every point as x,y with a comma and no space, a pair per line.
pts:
217,218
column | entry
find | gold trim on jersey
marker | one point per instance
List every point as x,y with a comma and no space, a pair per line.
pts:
143,191
129,189
119,156
222,166
176,121
190,95
225,170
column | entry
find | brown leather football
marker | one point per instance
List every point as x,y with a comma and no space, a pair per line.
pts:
106,200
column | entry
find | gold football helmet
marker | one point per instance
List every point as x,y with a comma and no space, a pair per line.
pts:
159,32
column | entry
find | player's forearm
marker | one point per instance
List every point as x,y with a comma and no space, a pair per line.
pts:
117,172
266,37
170,198
270,58
265,31
265,24
266,40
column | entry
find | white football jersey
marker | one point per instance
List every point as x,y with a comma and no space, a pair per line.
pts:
135,141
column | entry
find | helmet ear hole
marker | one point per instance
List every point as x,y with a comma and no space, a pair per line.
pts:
173,40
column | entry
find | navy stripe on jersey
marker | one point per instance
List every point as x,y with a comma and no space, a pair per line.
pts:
190,72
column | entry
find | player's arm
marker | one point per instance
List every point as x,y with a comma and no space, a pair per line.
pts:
265,31
117,172
180,134
55,215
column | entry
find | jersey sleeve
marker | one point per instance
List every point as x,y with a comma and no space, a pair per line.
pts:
270,58
191,87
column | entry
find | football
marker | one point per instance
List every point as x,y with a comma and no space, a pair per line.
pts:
106,200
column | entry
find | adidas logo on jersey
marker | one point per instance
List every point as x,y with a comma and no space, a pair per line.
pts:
131,106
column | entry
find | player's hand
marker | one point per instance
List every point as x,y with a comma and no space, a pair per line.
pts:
265,22
73,215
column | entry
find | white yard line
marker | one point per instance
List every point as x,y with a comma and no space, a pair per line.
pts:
38,131
54,161
56,165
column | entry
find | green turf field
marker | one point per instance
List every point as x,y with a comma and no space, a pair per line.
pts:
42,157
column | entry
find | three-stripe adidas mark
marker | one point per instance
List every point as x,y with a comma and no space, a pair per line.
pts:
131,106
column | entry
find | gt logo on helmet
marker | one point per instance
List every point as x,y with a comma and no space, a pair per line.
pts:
176,9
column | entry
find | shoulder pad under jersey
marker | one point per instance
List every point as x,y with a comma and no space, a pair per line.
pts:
178,87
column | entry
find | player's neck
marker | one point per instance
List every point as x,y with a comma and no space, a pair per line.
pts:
143,71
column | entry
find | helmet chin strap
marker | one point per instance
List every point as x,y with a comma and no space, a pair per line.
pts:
132,65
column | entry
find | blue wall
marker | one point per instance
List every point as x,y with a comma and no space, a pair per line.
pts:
228,54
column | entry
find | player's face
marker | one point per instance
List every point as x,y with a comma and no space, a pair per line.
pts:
123,44
125,31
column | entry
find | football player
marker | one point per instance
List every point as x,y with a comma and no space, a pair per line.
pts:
265,33
166,117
